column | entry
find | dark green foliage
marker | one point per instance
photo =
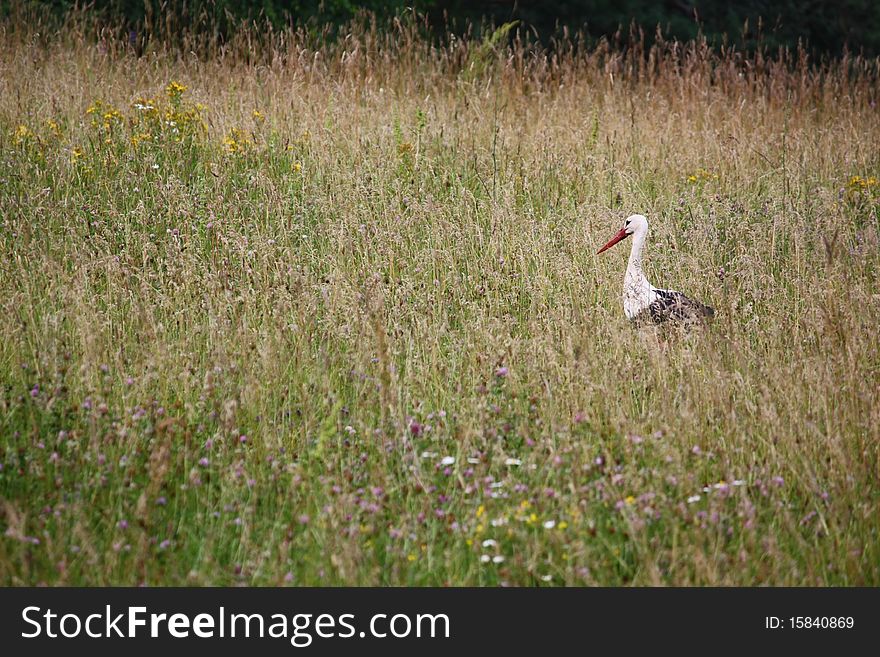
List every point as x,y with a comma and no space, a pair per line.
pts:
821,27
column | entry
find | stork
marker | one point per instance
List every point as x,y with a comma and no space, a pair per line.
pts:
642,302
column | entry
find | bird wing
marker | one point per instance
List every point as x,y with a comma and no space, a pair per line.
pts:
673,305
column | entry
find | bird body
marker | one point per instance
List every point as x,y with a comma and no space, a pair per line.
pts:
642,302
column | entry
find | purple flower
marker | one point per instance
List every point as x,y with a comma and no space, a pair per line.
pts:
161,501
501,372
122,524
204,462
778,481
35,391
242,439
164,544
415,428
304,519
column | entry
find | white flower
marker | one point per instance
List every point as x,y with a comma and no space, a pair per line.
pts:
512,462
155,167
485,558
496,484
693,498
473,461
497,558
490,542
498,522
546,578
447,460
428,455
549,524
738,482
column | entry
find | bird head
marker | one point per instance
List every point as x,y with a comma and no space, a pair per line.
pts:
636,223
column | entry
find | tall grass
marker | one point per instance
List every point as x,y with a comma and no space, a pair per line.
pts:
284,311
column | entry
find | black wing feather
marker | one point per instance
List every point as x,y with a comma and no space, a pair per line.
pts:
674,306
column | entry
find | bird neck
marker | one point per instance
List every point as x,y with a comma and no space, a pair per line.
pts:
637,291
634,272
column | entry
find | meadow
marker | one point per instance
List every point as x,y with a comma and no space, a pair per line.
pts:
284,310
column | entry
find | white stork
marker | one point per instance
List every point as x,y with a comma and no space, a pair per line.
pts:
642,302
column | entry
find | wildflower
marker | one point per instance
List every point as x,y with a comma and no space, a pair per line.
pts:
485,558
54,128
693,498
175,90
489,542
22,134
511,462
140,138
164,544
629,500
447,460
258,116
549,524
480,510
501,372
410,557
702,175
297,167
304,519
562,525
204,462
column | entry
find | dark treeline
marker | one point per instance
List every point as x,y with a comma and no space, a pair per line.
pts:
821,26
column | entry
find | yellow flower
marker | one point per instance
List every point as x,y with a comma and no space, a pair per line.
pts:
525,504
469,541
76,154
479,529
54,128
410,557
630,500
22,134
174,89
259,117
235,141
562,525
480,510
297,167
138,139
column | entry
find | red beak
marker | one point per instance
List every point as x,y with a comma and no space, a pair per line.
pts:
621,234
